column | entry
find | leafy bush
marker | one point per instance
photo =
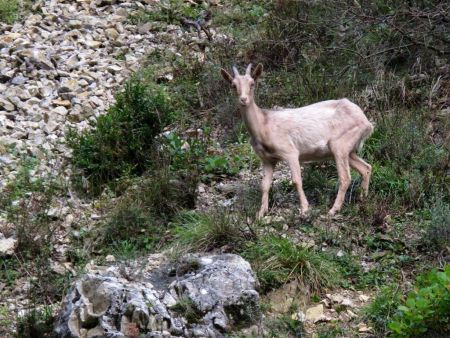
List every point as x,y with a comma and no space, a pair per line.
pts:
277,260
121,142
426,309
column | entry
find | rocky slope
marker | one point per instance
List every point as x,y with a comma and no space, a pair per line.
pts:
59,68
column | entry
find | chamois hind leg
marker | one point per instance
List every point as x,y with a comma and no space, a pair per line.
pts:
266,182
294,165
343,168
364,169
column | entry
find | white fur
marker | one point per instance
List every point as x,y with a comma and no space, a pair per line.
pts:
328,129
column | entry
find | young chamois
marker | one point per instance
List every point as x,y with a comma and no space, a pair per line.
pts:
328,129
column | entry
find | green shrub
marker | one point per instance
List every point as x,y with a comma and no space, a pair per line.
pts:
122,141
277,260
426,309
382,309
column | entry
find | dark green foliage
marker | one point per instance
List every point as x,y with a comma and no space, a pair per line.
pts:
426,309
407,167
277,260
122,141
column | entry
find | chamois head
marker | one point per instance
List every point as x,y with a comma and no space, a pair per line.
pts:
243,84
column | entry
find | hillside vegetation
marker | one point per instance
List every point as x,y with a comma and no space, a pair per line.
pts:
169,167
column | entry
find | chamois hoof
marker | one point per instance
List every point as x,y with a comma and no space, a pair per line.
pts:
260,214
334,214
304,212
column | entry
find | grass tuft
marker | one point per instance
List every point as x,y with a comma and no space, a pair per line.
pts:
277,260
202,232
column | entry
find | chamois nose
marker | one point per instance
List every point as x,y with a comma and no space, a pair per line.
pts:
243,100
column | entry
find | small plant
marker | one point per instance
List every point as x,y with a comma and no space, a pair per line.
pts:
184,155
284,326
277,260
35,323
188,310
426,309
26,202
437,233
382,309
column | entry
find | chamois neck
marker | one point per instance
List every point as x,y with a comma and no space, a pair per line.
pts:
253,118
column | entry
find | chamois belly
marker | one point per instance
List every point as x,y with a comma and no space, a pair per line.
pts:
318,152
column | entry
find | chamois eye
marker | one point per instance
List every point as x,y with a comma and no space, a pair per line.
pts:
252,84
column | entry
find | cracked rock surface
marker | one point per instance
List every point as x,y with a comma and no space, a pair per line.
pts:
200,296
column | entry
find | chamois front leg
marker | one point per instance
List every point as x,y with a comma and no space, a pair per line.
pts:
294,165
343,168
266,182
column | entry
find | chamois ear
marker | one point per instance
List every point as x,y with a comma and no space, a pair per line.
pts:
226,75
257,71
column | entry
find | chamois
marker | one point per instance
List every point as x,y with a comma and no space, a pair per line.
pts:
320,131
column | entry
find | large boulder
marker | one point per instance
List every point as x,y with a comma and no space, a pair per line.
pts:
200,296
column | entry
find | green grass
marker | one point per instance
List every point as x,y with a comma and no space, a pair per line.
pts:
35,323
277,260
437,230
284,326
138,221
203,232
9,11
382,309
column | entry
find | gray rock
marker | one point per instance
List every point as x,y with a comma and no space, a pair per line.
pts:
19,80
7,245
6,105
112,33
207,296
41,60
